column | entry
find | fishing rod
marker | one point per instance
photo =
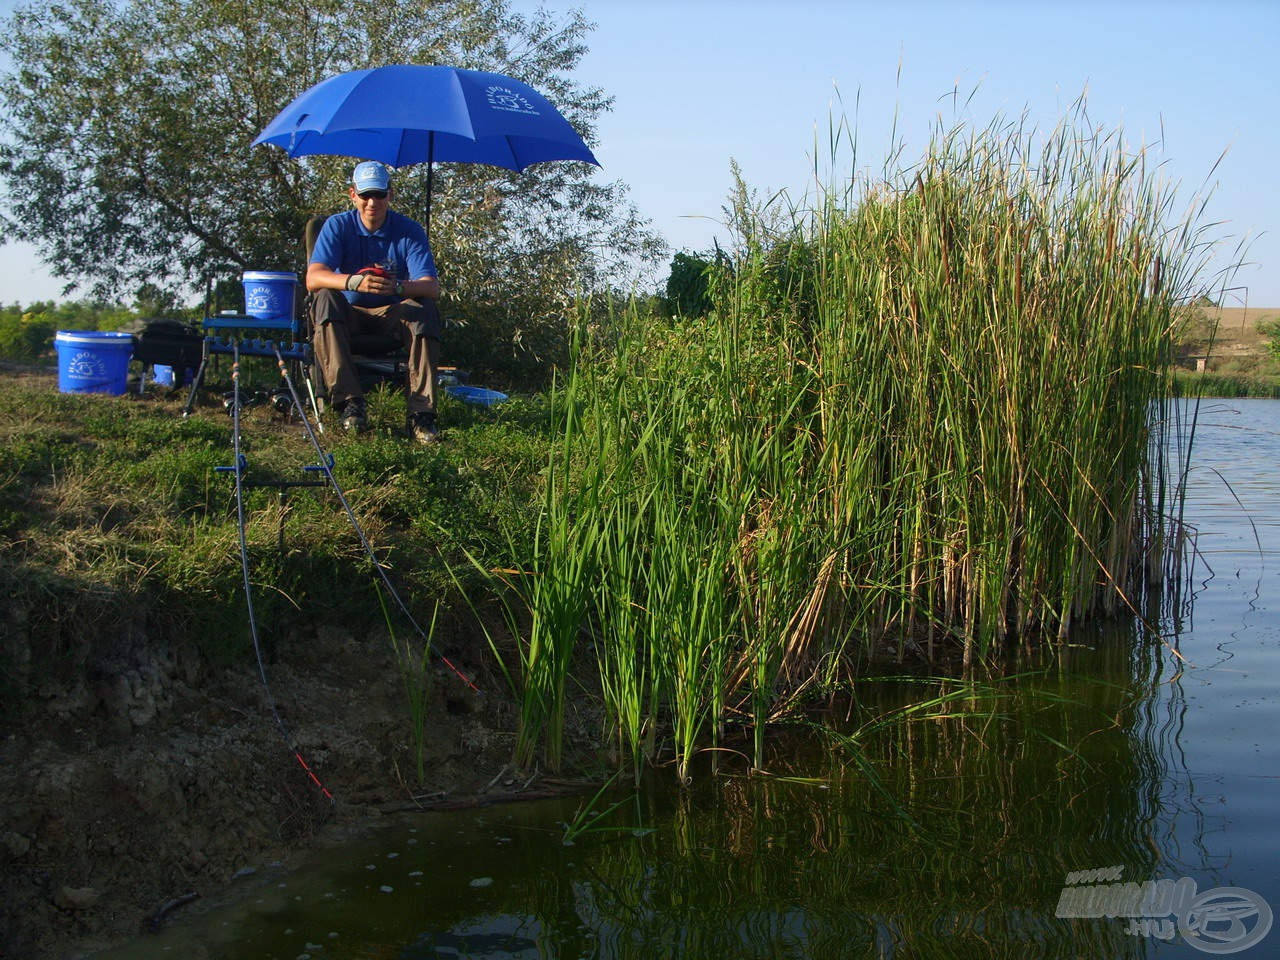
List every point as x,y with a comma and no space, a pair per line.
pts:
325,465
238,469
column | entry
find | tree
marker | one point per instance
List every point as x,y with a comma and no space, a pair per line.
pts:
126,127
1270,330
693,280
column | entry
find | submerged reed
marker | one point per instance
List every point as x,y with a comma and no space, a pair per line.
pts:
931,412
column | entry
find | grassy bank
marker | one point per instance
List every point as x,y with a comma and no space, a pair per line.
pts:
1229,352
114,513
1228,385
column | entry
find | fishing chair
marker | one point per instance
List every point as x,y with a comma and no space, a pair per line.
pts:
377,357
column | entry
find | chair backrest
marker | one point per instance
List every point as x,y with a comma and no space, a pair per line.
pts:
309,235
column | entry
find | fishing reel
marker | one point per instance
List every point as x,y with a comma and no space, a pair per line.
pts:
280,399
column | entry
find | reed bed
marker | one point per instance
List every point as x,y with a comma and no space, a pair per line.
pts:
928,415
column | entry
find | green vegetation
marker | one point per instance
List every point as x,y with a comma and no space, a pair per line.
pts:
1230,357
26,333
1187,384
1270,330
928,417
112,513
189,207
932,413
689,283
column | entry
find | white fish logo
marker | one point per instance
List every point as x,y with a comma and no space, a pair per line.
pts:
504,98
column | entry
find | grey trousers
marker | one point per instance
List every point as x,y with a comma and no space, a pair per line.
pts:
416,325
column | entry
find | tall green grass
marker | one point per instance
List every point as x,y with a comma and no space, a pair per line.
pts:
932,412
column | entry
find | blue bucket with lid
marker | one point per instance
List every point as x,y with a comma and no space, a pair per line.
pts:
93,361
268,294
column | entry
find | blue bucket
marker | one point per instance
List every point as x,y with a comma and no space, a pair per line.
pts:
165,376
93,361
268,295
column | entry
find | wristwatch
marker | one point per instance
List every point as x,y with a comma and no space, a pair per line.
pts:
399,288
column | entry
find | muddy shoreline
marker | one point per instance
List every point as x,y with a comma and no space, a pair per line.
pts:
151,779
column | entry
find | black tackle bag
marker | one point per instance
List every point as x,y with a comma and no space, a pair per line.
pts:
170,343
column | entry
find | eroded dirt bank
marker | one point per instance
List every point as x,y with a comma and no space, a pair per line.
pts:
152,775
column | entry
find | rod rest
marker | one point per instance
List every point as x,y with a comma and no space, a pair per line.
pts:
237,325
261,348
239,321
227,333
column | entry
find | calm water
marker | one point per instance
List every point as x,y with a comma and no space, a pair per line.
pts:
1125,755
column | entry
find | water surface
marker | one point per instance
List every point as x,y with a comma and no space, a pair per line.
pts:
1150,756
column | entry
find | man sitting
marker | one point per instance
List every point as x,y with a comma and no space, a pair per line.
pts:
372,271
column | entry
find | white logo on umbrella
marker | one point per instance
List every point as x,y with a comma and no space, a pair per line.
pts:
504,98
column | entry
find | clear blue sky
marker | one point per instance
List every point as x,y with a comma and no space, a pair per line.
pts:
697,82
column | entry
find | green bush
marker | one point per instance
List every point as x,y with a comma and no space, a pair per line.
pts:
26,333
1271,330
26,337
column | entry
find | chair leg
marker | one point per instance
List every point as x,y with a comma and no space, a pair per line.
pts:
197,380
308,371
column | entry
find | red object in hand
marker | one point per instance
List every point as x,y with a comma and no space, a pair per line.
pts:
375,271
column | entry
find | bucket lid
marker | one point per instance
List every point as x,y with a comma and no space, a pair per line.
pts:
99,337
269,275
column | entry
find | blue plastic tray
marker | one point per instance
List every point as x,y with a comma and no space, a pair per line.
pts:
478,395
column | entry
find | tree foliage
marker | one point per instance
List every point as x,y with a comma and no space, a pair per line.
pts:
126,158
693,281
1270,330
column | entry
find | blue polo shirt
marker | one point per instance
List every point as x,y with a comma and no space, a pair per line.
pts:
399,245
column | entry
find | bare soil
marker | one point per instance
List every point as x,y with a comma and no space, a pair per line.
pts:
156,776
1236,340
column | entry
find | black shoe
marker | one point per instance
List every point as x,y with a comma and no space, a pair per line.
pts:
423,428
354,416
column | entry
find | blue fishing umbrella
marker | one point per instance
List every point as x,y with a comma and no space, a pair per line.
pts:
405,114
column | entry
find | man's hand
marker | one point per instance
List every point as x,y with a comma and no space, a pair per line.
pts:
375,282
424,288
371,281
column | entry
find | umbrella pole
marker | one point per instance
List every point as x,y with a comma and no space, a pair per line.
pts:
431,149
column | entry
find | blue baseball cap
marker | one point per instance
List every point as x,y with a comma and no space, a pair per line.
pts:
370,175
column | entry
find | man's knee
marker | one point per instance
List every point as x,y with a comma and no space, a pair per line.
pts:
423,319
327,306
